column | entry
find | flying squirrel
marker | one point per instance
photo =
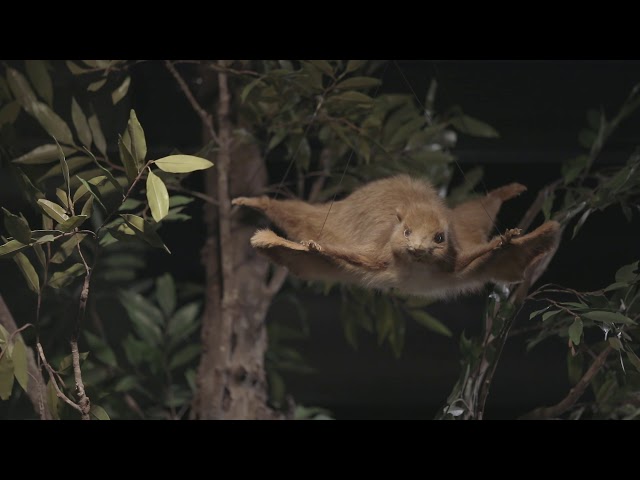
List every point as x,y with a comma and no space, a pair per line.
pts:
398,233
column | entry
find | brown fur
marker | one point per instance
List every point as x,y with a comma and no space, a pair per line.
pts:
398,233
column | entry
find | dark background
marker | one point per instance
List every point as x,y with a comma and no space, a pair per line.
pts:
538,107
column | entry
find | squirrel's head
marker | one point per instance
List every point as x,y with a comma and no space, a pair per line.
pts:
422,235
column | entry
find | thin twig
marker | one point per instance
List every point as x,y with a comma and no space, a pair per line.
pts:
52,377
202,113
574,394
84,403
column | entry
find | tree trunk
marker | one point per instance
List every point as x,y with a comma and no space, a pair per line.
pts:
231,377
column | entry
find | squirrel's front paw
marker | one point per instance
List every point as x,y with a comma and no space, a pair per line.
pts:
311,245
508,235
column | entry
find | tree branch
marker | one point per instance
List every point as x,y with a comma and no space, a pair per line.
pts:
574,394
83,403
35,387
52,377
202,113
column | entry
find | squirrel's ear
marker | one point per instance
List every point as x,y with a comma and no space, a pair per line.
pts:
399,214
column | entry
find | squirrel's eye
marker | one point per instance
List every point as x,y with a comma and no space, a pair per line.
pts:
439,238
407,232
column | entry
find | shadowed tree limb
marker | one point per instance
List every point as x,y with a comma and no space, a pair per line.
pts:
574,394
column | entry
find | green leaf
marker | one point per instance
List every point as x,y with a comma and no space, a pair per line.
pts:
474,127
98,136
633,358
62,196
353,65
11,248
99,413
608,317
157,196
67,361
324,66
571,169
52,123
66,248
358,82
19,357
583,219
120,92
546,316
426,320
127,160
616,286
144,230
64,278
6,376
538,312
351,96
248,88
126,384
179,200
43,154
27,270
82,190
53,210
277,139
87,208
9,113
575,331
184,356
182,163
615,343
4,335
145,317
40,78
100,349
166,293
132,204
74,164
384,319
93,190
626,274
64,167
138,144
40,254
53,402
110,177
97,85
17,227
75,68
73,222
575,305
80,123
21,89
418,302
183,323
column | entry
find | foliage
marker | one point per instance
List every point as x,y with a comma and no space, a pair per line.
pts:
580,192
85,207
323,128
